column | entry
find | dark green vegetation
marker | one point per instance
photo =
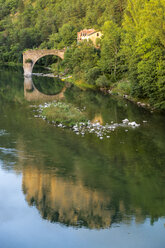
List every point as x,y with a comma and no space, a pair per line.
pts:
66,114
13,91
132,46
52,87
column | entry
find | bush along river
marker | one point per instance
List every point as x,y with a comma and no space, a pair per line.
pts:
97,182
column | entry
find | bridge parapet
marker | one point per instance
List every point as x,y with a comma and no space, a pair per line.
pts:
30,57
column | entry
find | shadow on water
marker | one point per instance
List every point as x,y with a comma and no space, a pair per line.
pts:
84,181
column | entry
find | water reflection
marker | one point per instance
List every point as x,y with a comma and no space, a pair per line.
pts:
84,181
66,201
31,93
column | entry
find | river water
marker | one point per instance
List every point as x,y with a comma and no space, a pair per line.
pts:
59,189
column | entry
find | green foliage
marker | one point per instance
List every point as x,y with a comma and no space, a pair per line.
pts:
50,24
110,45
92,75
103,82
132,45
143,47
64,38
122,87
82,60
28,61
64,113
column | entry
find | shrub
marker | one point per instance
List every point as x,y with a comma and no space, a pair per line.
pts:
102,82
92,75
124,86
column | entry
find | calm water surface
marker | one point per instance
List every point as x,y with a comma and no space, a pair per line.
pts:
58,189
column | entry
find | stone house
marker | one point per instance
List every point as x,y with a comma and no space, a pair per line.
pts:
88,34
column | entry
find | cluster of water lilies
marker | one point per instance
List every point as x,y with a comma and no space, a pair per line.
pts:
82,128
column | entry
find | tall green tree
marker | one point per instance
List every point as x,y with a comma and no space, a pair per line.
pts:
110,47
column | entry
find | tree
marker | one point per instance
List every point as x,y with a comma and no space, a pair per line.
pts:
110,46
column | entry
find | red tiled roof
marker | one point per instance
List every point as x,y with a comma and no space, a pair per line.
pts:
87,31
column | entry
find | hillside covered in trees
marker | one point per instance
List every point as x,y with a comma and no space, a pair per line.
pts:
132,48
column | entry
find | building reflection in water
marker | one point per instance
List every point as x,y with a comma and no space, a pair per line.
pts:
68,201
65,201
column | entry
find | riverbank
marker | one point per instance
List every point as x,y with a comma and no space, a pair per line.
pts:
120,89
123,89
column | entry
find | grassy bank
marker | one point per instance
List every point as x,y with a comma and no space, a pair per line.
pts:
62,113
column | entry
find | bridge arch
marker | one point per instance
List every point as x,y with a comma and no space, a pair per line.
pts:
30,57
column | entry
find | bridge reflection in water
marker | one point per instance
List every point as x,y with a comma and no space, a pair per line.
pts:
31,93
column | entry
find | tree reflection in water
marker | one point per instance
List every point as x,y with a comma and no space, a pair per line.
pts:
85,181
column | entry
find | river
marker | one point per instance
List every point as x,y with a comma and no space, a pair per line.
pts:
59,189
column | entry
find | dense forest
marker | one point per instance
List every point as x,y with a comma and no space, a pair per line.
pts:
132,48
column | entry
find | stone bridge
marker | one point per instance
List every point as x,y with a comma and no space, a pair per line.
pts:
30,57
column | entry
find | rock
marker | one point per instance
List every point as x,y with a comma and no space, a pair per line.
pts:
125,121
133,124
60,125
